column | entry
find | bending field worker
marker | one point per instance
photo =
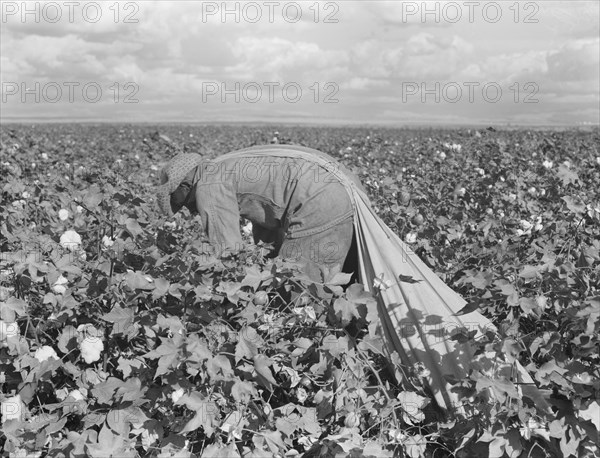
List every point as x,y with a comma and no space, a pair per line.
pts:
312,209
293,201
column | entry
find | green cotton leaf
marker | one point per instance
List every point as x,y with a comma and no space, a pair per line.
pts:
335,345
243,391
68,339
345,310
206,412
566,175
11,307
253,277
168,357
414,445
126,365
356,293
265,377
136,280
219,368
161,287
529,272
496,447
373,449
480,279
511,349
230,288
104,391
172,323
131,390
340,279
133,227
274,441
371,343
215,451
574,204
122,319
92,197
248,343
111,445
412,405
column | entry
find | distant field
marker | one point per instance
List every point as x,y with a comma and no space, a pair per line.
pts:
119,336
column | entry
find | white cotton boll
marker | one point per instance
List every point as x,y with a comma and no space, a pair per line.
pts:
60,285
461,192
176,395
76,395
107,241
63,214
512,197
79,209
91,348
548,164
411,237
525,225
532,191
70,240
44,353
442,155
154,168
26,195
44,156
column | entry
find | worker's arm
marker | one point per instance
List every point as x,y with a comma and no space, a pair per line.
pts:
218,208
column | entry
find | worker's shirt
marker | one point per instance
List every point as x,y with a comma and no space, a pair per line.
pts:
266,186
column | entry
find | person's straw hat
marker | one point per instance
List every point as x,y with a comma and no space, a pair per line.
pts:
171,177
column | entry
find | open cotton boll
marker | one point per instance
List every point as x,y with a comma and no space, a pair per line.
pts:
44,353
91,349
70,240
59,286
91,345
63,214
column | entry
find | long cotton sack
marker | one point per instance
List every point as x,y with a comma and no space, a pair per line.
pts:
418,311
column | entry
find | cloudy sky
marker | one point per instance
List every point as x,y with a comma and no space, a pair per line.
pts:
392,62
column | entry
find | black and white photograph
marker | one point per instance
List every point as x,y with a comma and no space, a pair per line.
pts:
306,229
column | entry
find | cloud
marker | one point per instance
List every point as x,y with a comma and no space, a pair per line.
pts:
277,59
